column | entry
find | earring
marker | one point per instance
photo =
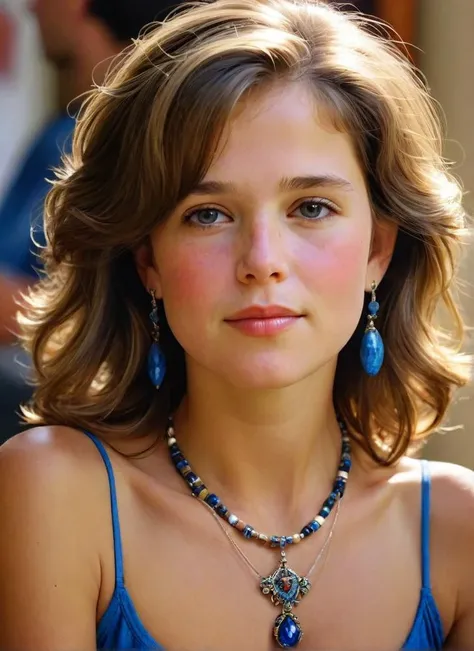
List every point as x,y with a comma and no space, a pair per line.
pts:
156,358
372,348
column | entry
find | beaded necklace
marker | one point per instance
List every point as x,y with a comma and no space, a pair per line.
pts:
284,586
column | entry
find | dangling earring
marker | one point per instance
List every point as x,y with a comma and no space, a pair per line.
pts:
156,359
372,348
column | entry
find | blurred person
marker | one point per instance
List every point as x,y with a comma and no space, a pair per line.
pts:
239,324
79,38
400,14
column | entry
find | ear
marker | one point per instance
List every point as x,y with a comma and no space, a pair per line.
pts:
146,268
384,237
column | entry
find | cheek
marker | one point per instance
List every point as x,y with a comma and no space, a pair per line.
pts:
338,264
193,278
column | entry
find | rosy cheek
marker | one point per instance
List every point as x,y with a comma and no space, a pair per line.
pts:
337,265
194,277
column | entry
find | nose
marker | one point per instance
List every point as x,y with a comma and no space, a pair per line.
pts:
263,258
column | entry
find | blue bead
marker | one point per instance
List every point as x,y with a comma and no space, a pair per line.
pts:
196,490
373,307
289,633
191,478
345,465
329,503
177,458
372,352
315,525
247,531
174,450
156,365
325,511
212,500
222,510
289,540
306,531
182,464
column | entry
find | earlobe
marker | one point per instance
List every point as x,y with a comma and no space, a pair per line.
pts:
384,238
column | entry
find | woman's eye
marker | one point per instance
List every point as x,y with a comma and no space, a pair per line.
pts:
206,217
315,209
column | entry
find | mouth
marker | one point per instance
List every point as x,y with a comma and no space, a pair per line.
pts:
264,312
264,321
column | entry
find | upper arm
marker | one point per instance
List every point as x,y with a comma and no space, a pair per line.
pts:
453,490
49,564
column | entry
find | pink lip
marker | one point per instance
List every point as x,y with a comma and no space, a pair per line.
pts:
263,321
263,312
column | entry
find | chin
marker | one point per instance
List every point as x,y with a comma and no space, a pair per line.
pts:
262,376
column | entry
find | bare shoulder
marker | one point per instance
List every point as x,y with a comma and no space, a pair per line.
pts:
453,497
51,523
452,525
50,463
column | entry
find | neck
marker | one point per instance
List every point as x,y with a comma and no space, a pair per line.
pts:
279,447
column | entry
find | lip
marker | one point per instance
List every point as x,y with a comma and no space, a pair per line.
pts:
264,312
264,320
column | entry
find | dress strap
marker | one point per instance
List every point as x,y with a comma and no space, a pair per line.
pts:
425,523
118,556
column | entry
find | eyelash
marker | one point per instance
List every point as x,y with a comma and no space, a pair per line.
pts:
320,202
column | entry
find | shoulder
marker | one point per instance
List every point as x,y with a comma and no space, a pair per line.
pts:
53,485
52,471
59,453
53,526
453,496
452,524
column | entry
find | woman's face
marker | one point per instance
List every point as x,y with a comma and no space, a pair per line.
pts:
282,224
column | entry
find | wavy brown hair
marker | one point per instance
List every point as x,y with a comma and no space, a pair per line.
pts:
146,137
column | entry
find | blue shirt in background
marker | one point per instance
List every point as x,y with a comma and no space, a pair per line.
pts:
22,208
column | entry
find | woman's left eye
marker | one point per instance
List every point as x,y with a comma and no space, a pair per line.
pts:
315,209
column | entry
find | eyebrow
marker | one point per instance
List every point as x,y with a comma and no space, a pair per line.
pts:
286,184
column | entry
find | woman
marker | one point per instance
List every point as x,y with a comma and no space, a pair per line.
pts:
246,255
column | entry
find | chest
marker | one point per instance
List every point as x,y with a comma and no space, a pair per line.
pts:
192,588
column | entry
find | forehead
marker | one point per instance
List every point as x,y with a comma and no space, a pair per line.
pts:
280,131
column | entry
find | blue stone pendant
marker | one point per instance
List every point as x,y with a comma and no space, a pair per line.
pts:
372,351
286,588
156,365
287,630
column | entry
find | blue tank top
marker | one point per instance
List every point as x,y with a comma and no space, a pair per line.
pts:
120,627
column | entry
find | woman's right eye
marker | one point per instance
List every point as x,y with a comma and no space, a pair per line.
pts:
205,217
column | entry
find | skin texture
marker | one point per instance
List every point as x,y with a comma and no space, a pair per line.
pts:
257,425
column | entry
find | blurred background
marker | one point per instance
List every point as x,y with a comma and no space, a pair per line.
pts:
48,49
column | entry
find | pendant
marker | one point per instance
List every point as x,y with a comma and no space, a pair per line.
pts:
286,589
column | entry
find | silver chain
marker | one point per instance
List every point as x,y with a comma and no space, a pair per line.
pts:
249,562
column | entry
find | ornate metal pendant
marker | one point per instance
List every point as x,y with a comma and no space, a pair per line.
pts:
286,589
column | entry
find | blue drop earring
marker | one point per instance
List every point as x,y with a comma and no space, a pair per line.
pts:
156,358
372,348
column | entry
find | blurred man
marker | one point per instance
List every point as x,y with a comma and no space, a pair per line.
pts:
79,38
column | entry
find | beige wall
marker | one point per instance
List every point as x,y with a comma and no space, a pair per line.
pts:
446,35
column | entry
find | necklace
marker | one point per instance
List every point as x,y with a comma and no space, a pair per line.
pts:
282,576
249,563
284,586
